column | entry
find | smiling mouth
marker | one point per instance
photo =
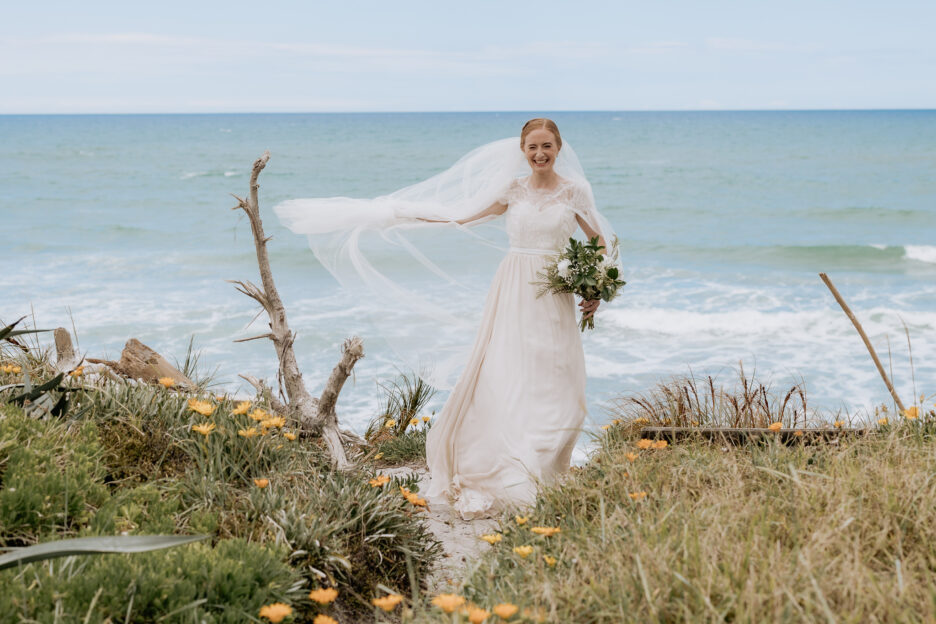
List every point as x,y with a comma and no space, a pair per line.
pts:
541,162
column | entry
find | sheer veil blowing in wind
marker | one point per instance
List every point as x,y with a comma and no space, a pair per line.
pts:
380,250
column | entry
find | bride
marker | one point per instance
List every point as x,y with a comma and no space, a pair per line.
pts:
516,410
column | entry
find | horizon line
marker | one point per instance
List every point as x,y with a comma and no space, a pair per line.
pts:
456,112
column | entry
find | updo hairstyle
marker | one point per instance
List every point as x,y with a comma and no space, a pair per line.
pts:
536,124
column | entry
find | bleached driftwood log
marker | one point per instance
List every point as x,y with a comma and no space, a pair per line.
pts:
138,361
314,415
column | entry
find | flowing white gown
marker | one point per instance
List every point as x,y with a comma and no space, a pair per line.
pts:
516,411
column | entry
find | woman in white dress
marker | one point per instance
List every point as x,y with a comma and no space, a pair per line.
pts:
516,411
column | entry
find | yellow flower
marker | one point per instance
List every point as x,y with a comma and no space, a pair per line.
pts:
448,602
321,618
289,436
521,519
550,561
412,497
274,422
389,424
798,433
523,551
505,610
16,369
78,372
839,424
644,444
261,483
202,407
378,455
241,408
660,444
911,412
641,421
476,615
492,538
248,433
882,421
631,457
380,481
413,422
637,495
275,612
605,426
388,602
204,429
323,595
777,426
426,418
258,414
545,531
166,382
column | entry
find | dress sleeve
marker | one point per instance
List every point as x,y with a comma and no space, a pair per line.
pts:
583,204
510,192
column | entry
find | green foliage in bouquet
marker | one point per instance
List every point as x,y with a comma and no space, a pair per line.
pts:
581,269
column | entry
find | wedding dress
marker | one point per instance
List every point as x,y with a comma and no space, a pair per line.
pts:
515,412
518,406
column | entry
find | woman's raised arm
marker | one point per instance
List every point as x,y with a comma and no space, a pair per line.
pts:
496,208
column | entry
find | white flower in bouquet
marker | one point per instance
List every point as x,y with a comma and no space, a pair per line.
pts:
564,268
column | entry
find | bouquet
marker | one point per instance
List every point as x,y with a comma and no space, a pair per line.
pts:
581,269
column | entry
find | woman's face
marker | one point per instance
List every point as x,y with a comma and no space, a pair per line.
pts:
540,149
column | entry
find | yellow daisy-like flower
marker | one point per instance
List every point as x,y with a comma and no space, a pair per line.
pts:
838,424
275,612
523,551
426,418
550,561
241,408
448,602
505,610
605,426
631,457
204,429
492,538
381,480
644,444
413,422
261,483
16,369
248,433
911,413
660,444
277,422
289,436
545,531
882,421
798,433
321,618
388,602
777,426
78,372
166,382
323,595
637,495
412,497
389,424
521,519
258,414
378,455
202,407
476,615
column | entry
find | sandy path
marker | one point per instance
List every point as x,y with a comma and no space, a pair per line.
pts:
459,538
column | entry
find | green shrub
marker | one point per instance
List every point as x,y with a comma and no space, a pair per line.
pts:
51,477
195,583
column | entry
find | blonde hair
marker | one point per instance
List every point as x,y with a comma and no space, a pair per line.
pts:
540,123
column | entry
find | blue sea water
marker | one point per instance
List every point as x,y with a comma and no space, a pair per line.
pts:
123,222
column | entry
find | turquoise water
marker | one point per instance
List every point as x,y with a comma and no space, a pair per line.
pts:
725,220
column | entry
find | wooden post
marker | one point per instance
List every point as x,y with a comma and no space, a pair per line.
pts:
864,337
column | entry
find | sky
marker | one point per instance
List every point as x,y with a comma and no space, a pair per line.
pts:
349,56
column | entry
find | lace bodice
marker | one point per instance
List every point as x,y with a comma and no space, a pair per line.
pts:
541,219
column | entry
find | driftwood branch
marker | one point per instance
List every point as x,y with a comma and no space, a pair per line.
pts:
300,404
864,337
264,390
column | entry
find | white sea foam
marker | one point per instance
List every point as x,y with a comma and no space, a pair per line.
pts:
921,253
193,174
228,174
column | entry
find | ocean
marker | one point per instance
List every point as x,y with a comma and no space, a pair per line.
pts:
122,225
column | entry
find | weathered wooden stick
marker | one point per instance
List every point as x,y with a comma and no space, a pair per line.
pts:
300,404
864,337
